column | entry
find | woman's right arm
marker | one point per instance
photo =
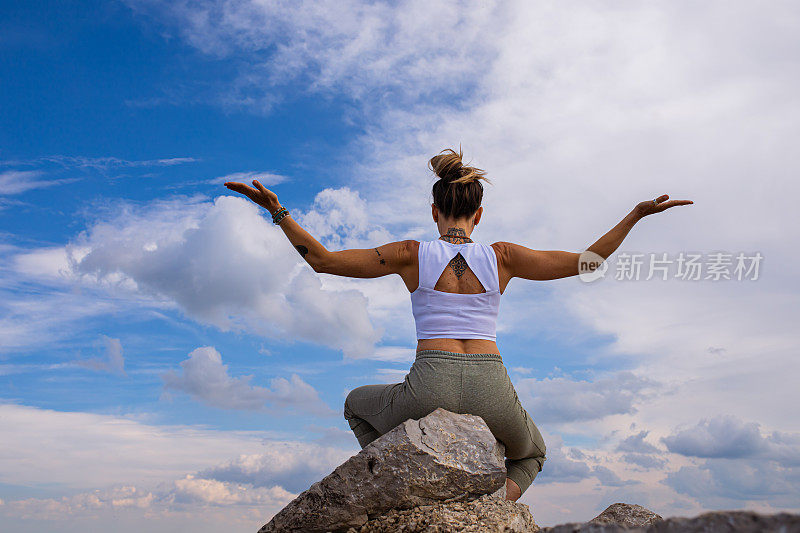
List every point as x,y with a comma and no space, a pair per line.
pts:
519,261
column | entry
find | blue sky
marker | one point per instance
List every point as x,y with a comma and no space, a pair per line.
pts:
163,345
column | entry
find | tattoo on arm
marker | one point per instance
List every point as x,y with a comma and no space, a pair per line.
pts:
302,249
383,261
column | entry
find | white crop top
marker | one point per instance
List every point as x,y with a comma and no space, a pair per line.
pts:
439,314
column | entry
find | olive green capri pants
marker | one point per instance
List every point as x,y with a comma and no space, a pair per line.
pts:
474,383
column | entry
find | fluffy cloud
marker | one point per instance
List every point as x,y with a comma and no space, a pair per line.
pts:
240,504
51,317
740,464
222,264
637,444
571,465
727,436
114,361
563,106
120,468
640,452
348,46
561,400
644,460
730,483
205,377
293,465
78,450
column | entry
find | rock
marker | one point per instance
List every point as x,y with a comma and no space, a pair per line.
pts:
446,472
487,514
626,514
712,522
442,457
729,521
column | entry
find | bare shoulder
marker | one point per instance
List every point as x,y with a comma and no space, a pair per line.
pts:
502,249
410,250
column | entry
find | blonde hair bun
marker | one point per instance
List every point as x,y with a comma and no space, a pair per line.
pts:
464,199
448,165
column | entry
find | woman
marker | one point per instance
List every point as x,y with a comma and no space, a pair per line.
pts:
455,285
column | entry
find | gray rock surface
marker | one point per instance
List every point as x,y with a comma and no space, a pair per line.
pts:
446,472
487,514
442,457
492,514
626,514
712,522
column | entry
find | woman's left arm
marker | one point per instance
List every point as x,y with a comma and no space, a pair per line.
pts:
358,263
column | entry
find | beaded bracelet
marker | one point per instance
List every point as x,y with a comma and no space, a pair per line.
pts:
279,215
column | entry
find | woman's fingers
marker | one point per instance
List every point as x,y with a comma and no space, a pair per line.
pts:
648,207
240,188
266,195
673,203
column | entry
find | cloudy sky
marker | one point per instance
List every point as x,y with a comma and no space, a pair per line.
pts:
168,361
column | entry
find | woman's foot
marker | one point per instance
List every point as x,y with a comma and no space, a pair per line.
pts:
513,491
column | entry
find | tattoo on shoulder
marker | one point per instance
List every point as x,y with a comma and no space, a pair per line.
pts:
383,261
302,249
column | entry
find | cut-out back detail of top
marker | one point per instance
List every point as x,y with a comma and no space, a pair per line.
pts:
465,279
453,315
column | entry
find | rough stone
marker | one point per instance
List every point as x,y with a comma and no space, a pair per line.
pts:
626,514
487,514
442,457
711,522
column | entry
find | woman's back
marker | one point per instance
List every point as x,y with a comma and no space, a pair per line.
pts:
457,297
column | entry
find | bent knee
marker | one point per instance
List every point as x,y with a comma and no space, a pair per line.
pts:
527,448
348,405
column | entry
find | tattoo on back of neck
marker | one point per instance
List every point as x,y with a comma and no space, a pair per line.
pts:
455,236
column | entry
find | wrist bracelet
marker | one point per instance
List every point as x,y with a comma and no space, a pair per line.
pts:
279,215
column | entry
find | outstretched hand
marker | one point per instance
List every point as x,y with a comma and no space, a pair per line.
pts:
260,194
648,207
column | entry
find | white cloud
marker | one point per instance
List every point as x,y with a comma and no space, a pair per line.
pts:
727,436
561,400
733,483
19,181
578,112
294,466
740,466
339,218
105,163
134,470
398,354
205,377
114,361
49,318
76,450
237,504
222,264
265,178
407,50
637,444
